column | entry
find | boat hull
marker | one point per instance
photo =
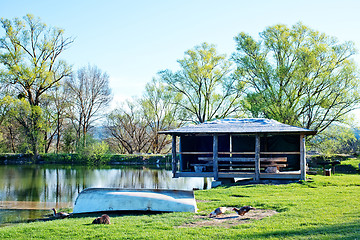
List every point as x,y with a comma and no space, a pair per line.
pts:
117,199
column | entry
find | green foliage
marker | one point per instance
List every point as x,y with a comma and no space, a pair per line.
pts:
69,138
334,140
322,208
57,158
31,123
97,154
94,153
297,76
29,52
204,85
160,114
5,106
30,67
13,158
354,162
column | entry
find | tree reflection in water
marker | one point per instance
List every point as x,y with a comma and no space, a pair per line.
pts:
42,187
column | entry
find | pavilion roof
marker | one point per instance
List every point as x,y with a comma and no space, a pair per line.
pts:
239,126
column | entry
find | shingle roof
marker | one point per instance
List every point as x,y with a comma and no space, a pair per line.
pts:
240,126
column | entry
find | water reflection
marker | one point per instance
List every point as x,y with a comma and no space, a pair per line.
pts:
39,187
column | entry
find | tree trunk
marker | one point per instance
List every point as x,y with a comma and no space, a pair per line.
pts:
34,132
46,142
12,140
58,133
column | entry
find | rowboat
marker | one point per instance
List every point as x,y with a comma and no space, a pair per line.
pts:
117,199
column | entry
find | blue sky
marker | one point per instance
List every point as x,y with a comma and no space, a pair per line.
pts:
133,40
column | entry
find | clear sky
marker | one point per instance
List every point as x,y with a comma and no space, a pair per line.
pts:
132,40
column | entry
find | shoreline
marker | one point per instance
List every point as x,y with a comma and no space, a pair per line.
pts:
75,159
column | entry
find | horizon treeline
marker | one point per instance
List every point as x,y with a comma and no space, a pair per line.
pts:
295,75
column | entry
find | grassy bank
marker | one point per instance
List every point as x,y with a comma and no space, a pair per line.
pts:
322,208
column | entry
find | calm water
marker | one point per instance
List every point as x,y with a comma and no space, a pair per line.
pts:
29,192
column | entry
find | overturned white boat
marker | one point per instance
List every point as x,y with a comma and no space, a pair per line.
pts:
118,199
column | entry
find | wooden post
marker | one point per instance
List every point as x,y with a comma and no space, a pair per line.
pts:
230,147
302,158
257,157
215,157
174,162
180,157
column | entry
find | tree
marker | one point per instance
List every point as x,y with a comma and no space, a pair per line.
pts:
135,125
298,76
128,126
5,106
90,95
335,139
55,109
9,129
160,114
11,137
204,83
29,58
22,112
61,105
50,121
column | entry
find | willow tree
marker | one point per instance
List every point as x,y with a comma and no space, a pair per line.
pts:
205,85
298,76
30,64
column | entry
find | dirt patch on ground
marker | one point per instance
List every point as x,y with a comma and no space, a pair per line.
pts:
229,218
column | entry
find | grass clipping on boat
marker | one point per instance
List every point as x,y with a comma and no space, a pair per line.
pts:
229,218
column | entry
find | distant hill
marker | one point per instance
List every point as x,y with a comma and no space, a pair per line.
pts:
100,133
357,132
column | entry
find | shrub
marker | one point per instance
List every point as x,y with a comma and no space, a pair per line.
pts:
95,154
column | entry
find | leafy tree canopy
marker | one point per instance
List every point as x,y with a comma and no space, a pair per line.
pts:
207,91
335,139
298,76
30,67
29,54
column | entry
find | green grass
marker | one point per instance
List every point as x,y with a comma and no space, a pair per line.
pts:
322,208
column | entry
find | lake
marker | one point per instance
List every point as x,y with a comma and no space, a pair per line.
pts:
29,192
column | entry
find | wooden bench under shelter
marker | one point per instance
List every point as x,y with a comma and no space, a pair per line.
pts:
242,164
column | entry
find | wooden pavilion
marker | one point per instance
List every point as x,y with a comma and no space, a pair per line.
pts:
231,148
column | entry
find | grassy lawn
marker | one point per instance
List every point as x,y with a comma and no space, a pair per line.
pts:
321,208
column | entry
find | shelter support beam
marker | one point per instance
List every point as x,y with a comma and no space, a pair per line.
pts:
302,158
180,157
215,156
174,162
257,157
